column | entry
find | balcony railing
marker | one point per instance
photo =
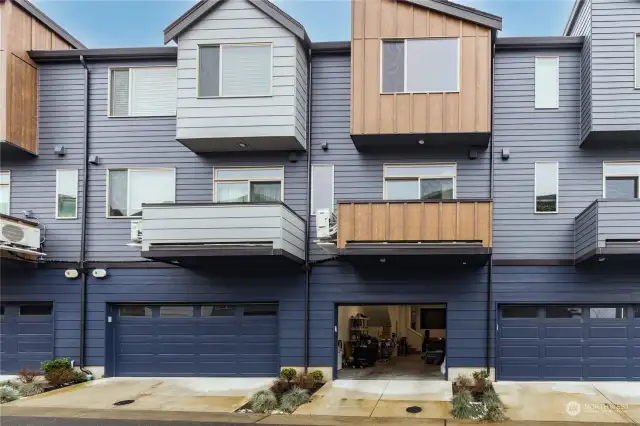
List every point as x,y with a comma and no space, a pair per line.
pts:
419,221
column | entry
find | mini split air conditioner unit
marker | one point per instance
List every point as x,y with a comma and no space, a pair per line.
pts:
326,224
136,231
17,234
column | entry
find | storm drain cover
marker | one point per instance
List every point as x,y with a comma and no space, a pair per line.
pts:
124,402
414,409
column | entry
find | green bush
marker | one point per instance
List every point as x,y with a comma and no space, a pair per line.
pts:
481,379
288,374
56,364
76,376
293,399
494,406
30,389
263,401
317,376
463,407
10,384
8,394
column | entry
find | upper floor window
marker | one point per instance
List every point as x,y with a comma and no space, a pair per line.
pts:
142,91
546,187
637,60
547,85
5,192
66,194
250,184
321,187
235,70
128,189
420,182
421,65
621,180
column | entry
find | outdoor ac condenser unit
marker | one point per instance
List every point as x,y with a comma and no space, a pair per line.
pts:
136,231
326,224
18,234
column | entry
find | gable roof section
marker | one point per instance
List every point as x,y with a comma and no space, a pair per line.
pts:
48,22
459,11
573,16
203,7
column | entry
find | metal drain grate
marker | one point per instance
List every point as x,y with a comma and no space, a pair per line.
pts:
125,402
414,409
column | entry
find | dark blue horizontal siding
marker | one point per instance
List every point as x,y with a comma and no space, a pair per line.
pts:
464,292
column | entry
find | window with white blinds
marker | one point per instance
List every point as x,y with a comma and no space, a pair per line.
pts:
242,70
142,92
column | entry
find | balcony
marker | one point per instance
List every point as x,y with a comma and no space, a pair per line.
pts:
19,239
458,230
210,233
608,229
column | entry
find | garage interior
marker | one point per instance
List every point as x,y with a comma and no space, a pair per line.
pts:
392,342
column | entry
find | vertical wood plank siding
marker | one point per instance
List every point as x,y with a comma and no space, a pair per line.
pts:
374,113
414,221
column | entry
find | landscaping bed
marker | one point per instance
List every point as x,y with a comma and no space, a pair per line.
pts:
58,373
285,394
475,399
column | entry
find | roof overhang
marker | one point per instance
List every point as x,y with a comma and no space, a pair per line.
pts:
140,53
459,11
10,150
517,43
200,9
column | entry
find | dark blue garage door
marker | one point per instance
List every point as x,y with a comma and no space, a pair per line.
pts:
569,342
26,336
197,340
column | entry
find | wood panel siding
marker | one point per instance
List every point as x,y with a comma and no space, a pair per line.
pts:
466,111
19,33
414,221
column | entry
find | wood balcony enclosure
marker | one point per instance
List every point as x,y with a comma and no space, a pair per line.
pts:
414,221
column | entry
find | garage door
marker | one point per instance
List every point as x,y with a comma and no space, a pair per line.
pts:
26,336
569,342
197,340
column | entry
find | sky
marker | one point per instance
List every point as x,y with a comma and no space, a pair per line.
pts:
135,23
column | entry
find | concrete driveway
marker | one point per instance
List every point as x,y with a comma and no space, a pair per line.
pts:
221,395
610,402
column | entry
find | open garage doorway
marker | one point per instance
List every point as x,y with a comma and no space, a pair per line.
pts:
391,342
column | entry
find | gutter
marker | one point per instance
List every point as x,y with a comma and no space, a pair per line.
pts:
83,232
307,265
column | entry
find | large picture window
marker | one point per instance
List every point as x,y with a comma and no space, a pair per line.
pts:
128,189
250,184
235,70
421,65
420,182
143,91
546,187
621,180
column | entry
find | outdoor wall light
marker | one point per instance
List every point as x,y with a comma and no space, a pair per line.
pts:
99,273
71,274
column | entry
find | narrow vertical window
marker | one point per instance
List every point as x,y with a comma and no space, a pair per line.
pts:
120,93
547,90
66,194
322,187
393,66
5,192
637,61
546,187
209,71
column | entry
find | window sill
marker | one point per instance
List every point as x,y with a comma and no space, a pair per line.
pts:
546,212
421,93
67,218
235,97
120,117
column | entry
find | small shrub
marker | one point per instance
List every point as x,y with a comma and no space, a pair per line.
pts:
58,378
32,388
10,384
494,407
317,376
26,375
56,364
263,401
305,381
280,386
76,376
293,399
463,381
481,379
8,394
288,374
463,407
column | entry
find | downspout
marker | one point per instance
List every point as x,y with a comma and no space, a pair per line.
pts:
307,265
83,221
491,191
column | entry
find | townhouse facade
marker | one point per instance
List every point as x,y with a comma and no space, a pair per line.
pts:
226,206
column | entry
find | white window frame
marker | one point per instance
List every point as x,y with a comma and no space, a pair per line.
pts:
129,170
636,61
75,216
248,180
8,173
419,177
391,40
130,101
535,187
333,187
623,175
220,93
535,68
